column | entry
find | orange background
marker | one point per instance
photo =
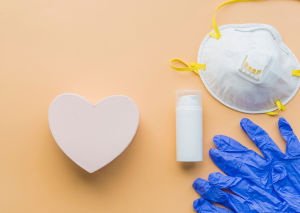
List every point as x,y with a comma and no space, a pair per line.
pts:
102,48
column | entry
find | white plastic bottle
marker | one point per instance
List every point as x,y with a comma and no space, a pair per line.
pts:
189,138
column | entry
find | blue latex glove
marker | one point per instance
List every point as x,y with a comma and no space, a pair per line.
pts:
254,171
204,206
238,161
248,198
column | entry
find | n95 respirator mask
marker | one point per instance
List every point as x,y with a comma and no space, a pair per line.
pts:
247,67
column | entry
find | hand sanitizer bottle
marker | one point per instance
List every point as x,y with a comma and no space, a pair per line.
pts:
189,138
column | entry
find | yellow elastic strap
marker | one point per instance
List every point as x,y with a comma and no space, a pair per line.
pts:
194,66
280,107
218,34
296,73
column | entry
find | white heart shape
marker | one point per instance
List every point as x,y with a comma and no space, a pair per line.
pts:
93,135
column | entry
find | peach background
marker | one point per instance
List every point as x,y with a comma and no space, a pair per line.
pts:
102,48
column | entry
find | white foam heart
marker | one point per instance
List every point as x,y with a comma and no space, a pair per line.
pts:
93,135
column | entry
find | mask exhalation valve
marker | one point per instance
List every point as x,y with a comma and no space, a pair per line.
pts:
255,63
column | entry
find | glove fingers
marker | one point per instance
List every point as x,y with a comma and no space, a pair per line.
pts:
237,150
221,181
237,185
261,138
249,166
210,192
284,187
228,144
257,198
204,206
249,157
293,145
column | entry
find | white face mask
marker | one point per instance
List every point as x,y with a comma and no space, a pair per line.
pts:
247,67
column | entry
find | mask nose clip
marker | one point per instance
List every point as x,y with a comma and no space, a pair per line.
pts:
255,63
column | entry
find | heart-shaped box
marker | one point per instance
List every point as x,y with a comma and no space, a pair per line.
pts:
93,135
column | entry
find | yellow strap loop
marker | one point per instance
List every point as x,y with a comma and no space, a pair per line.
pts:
194,66
218,34
280,107
296,73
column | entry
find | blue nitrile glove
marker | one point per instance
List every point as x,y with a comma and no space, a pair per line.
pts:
255,174
238,161
204,206
248,198
284,187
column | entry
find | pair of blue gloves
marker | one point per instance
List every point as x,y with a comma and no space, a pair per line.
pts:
260,185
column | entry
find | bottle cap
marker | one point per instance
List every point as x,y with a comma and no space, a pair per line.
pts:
188,98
